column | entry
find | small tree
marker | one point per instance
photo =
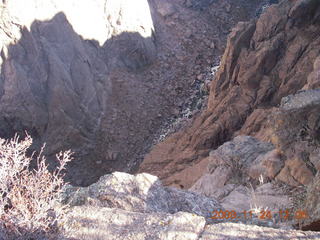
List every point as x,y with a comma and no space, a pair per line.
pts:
28,197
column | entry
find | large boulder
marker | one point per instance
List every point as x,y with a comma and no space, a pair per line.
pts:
141,193
88,222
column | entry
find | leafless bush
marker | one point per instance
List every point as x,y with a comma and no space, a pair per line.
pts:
28,198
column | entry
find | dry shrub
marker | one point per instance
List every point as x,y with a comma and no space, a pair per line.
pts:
28,203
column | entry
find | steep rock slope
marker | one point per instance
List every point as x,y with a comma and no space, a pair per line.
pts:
264,61
101,77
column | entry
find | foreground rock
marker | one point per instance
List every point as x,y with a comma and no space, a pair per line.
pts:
141,193
122,206
86,222
114,224
233,231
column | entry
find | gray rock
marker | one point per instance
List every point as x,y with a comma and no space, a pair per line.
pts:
266,165
233,231
211,185
87,222
122,206
301,100
141,193
55,72
239,153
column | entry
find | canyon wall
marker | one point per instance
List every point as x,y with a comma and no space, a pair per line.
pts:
102,77
264,61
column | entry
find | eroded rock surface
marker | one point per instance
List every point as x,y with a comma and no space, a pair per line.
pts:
107,220
241,174
103,77
104,223
264,60
141,193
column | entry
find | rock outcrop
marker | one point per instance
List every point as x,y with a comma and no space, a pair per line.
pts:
264,61
116,207
293,159
240,175
141,193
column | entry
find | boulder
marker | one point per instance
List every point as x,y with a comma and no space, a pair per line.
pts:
267,165
122,206
88,222
212,185
141,193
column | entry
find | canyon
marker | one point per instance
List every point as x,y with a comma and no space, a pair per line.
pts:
173,109
107,91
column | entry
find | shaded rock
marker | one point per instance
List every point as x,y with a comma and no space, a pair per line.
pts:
267,196
295,128
141,193
212,185
311,204
267,165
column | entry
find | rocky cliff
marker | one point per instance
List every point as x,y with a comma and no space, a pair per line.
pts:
102,77
266,87
264,61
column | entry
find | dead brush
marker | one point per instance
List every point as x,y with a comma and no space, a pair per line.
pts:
28,197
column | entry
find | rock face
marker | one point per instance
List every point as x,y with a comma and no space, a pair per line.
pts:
116,208
233,172
95,76
264,60
295,132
